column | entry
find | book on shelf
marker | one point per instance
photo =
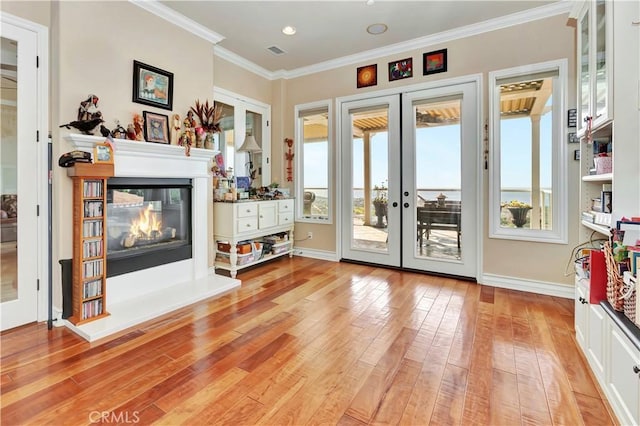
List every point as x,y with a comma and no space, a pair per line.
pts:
606,201
602,218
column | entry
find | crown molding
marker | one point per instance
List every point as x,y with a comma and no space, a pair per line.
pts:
531,15
238,60
542,12
178,19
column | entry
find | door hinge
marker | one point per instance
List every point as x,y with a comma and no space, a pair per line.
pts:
37,209
37,61
37,135
267,123
38,284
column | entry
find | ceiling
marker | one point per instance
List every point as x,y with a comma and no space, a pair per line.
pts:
334,30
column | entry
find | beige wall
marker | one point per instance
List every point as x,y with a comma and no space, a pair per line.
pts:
34,11
528,43
93,45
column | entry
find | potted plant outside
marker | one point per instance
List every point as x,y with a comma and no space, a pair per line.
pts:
380,205
519,211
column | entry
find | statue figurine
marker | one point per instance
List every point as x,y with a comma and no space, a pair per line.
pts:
188,138
176,126
88,109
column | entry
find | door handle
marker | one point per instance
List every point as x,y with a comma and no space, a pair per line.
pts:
395,204
406,205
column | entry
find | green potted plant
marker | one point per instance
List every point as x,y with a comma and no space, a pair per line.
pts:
380,204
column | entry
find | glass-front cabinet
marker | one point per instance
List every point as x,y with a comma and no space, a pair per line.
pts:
594,30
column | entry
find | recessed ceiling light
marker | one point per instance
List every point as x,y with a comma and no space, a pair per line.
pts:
376,29
370,2
289,30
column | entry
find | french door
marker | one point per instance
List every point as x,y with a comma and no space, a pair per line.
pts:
18,188
409,187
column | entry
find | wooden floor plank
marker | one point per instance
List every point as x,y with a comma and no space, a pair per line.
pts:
305,341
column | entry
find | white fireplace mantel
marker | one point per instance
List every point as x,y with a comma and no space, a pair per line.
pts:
169,286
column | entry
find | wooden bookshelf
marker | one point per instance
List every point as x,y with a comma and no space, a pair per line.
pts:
89,263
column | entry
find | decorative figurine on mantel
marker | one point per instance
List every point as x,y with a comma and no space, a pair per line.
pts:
118,132
189,135
176,126
88,116
88,108
138,125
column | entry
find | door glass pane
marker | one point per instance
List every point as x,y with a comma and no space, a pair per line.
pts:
438,165
254,168
601,59
370,166
225,139
526,136
9,178
584,70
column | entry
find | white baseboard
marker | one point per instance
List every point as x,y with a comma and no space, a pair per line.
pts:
316,254
550,289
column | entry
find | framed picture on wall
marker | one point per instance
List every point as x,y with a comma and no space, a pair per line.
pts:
156,127
400,69
434,62
152,86
367,76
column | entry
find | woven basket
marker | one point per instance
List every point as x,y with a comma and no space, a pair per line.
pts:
629,297
615,284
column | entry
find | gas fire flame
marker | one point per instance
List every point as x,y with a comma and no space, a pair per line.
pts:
146,223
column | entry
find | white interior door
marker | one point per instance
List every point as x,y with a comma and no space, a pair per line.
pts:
18,187
440,139
370,214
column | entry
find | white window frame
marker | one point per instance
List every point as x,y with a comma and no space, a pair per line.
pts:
559,168
299,161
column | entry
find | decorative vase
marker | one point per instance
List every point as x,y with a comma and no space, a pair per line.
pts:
208,141
519,215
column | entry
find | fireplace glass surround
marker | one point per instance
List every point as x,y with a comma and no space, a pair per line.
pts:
148,223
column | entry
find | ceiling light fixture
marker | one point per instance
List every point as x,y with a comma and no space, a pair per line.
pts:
289,30
370,2
376,29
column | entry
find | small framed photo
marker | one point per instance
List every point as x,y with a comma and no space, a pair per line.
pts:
576,154
156,127
400,69
573,138
434,62
103,154
572,117
367,76
152,86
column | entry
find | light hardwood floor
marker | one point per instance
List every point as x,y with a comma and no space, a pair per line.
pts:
309,342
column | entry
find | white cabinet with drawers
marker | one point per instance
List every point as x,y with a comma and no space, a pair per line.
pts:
251,221
611,345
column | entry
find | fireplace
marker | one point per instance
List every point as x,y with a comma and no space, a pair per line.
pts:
138,296
148,223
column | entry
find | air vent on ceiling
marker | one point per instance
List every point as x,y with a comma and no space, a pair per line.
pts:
276,50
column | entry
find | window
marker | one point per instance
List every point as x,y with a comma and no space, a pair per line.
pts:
528,192
313,160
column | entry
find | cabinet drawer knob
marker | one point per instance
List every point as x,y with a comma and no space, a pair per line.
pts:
248,210
636,369
248,225
583,300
